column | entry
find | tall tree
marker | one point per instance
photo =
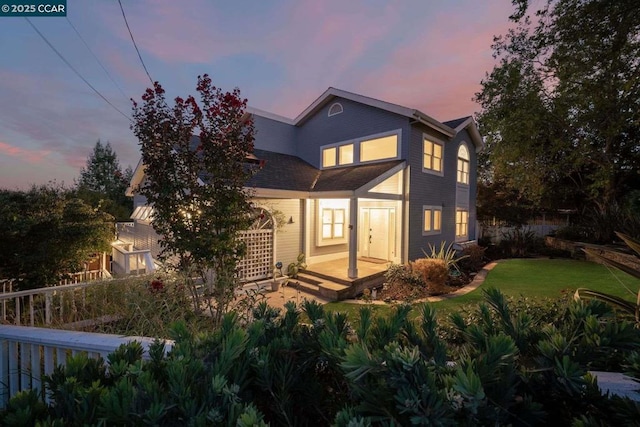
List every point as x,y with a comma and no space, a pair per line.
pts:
47,233
196,184
560,111
103,183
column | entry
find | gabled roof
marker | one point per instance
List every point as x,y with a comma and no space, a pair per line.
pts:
286,172
413,114
470,125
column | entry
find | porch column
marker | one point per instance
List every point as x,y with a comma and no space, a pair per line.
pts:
353,238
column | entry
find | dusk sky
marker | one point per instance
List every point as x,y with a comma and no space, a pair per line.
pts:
282,54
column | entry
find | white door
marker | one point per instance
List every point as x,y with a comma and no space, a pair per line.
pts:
375,233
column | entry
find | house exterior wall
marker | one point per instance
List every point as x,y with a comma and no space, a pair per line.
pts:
435,190
274,135
288,238
355,121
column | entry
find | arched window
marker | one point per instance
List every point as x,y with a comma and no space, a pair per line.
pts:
336,108
463,164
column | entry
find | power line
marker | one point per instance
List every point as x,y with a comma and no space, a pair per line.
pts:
97,60
134,43
74,70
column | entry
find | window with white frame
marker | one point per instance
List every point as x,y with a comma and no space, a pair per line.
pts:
332,223
431,220
382,148
432,156
345,154
462,224
371,148
332,215
463,164
329,157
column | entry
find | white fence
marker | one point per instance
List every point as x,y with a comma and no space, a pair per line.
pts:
44,306
540,227
27,353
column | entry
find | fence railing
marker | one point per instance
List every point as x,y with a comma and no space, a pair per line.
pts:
27,354
46,306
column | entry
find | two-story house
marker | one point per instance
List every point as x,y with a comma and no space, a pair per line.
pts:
352,178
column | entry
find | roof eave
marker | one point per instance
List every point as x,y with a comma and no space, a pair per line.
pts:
433,123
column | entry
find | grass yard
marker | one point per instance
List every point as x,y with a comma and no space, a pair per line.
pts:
532,278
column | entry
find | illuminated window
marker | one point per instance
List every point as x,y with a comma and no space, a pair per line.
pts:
329,157
463,165
345,154
462,224
432,156
379,148
335,108
332,223
432,220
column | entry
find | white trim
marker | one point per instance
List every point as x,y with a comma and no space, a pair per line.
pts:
467,160
472,127
356,149
431,208
427,137
410,113
335,113
268,115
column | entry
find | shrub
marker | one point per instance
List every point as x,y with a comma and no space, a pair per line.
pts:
511,364
433,273
473,259
520,242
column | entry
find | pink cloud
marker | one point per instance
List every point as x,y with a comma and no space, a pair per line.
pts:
440,71
30,156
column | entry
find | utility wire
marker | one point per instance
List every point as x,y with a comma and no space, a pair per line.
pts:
97,60
74,70
134,42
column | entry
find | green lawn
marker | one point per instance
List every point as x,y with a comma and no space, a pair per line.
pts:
533,278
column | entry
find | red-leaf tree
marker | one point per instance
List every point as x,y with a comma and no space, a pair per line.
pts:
194,156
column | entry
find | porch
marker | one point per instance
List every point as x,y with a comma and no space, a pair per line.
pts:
330,279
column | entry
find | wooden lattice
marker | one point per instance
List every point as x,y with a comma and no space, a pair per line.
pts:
258,262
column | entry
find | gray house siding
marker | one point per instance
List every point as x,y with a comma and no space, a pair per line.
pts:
273,135
355,121
435,190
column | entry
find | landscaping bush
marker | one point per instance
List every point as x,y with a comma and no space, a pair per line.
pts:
432,272
510,364
473,259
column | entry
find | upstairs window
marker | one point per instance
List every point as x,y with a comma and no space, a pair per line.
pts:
463,165
345,154
379,148
329,157
336,108
432,156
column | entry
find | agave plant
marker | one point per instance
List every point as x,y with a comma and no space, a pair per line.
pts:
619,303
447,254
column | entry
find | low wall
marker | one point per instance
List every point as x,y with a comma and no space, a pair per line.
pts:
576,250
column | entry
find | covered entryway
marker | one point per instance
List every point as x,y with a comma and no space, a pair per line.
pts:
377,233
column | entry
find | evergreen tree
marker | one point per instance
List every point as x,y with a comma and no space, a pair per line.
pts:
102,182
